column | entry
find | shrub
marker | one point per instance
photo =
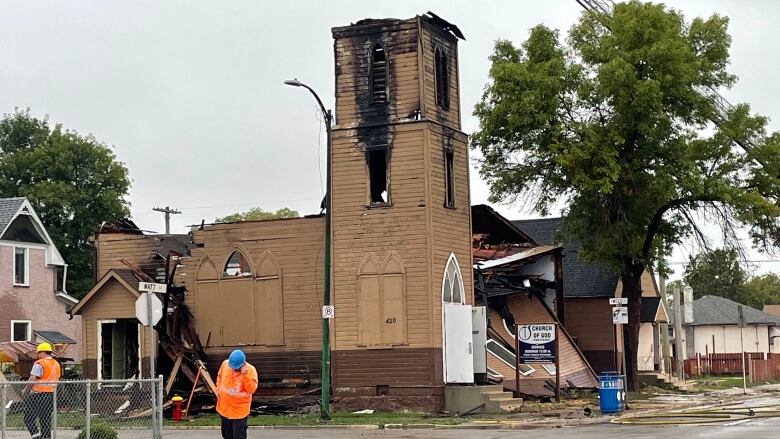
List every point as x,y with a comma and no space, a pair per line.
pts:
99,431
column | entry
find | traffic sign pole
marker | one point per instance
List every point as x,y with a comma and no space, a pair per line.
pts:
557,365
151,335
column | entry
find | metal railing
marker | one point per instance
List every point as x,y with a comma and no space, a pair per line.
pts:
82,409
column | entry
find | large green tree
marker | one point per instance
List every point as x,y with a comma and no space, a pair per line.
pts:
74,182
608,125
257,213
717,273
763,290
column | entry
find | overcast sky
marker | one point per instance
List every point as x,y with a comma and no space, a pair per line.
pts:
190,94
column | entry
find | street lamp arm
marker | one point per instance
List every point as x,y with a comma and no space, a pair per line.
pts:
325,113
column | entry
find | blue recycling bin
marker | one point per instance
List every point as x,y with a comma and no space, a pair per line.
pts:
611,394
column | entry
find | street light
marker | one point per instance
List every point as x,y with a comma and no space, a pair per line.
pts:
325,364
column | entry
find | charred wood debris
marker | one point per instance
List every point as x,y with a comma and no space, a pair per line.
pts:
183,363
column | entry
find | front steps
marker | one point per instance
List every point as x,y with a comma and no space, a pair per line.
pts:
480,399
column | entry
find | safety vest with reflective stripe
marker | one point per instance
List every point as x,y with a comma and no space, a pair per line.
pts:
51,372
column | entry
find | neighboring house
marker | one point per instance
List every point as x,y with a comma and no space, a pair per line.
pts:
715,328
34,302
587,289
774,310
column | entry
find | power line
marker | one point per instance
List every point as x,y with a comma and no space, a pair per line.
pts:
168,212
752,261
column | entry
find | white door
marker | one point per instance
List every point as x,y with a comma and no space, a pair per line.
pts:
479,336
458,344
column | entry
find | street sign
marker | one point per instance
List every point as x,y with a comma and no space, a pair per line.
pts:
536,343
151,287
620,315
618,300
142,309
328,311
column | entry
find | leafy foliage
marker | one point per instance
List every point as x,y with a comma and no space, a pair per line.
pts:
74,182
609,126
716,273
257,213
99,431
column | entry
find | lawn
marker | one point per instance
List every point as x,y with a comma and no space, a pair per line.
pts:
338,418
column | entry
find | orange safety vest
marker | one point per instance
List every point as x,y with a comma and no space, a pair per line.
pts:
243,383
51,372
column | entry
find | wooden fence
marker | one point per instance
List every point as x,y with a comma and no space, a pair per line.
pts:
759,366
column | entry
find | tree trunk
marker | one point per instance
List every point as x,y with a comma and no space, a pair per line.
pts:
632,289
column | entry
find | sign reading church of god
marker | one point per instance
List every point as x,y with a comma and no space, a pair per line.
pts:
536,343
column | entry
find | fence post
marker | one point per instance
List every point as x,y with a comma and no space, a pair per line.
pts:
3,398
54,413
154,407
88,410
160,402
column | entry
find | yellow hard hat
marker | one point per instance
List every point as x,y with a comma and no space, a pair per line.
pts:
45,347
177,398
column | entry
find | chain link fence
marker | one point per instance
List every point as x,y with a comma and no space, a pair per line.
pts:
94,409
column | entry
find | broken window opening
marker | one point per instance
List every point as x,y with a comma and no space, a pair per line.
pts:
442,79
378,74
449,174
377,159
237,266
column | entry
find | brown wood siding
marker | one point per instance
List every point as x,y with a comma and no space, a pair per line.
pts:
360,231
432,38
394,367
274,367
296,248
113,248
113,301
450,227
589,321
352,47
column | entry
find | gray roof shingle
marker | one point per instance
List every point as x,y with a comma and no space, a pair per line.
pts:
579,279
8,208
55,337
715,310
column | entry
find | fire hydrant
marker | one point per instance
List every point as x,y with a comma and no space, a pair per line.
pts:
176,408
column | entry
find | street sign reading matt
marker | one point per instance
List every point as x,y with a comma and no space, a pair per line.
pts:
536,343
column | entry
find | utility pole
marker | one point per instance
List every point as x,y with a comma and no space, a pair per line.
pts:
168,212
678,330
666,357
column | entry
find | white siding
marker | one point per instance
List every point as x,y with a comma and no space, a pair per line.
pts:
756,339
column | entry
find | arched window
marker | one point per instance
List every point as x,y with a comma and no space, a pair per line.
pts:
237,265
378,73
442,79
452,285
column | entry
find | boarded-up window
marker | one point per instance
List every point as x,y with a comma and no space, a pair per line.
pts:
238,302
208,306
269,303
378,74
441,69
382,302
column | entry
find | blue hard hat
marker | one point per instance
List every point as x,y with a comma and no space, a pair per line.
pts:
236,359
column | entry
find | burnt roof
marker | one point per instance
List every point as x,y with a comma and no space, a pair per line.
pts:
485,220
389,23
580,279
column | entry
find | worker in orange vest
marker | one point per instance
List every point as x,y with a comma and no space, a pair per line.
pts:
236,382
40,403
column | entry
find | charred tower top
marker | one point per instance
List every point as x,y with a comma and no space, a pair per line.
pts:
400,206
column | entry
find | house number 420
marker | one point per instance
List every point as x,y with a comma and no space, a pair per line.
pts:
390,320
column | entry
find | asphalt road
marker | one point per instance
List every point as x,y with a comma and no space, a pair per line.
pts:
756,429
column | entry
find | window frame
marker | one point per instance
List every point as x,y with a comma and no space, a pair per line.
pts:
457,276
28,336
368,151
449,174
371,74
441,71
26,282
